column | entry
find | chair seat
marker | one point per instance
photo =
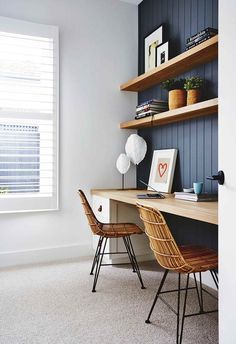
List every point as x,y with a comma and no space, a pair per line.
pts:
116,230
199,258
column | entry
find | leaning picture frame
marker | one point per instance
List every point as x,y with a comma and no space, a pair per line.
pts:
162,53
150,43
162,170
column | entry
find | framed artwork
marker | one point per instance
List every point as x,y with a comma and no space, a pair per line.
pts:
162,170
162,53
150,44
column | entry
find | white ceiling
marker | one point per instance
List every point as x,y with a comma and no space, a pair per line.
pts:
134,2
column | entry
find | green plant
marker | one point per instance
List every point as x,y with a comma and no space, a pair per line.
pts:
173,84
193,83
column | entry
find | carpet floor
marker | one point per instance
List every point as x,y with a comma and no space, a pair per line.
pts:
53,304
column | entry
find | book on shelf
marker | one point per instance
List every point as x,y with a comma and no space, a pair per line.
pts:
199,42
151,107
208,30
156,109
152,101
200,39
203,197
146,114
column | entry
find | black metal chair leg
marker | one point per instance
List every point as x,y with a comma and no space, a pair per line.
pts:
201,293
216,275
128,240
129,254
184,309
157,295
96,255
198,295
215,279
178,306
98,267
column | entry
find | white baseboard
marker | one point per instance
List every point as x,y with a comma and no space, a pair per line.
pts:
44,255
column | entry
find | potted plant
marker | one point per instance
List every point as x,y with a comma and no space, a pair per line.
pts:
177,93
193,87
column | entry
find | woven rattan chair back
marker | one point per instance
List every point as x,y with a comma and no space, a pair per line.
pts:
161,240
94,224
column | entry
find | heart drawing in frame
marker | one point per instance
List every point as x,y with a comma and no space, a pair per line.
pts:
162,168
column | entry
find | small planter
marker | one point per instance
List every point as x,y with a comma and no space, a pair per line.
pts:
193,96
177,99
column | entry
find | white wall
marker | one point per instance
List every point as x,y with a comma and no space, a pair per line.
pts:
98,51
227,148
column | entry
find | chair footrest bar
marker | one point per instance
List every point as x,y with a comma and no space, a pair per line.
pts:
116,264
112,253
200,313
175,290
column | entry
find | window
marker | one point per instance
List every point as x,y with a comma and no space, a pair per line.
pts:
28,116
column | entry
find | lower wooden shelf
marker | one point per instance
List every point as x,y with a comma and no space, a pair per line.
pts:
208,107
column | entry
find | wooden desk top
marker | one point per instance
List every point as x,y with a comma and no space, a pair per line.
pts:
201,211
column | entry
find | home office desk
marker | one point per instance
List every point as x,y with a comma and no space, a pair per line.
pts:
201,211
120,206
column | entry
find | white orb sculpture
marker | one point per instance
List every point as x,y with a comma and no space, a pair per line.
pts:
123,163
136,148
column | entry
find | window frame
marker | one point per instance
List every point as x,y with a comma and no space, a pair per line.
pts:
36,203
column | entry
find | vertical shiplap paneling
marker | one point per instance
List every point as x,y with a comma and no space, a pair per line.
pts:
195,139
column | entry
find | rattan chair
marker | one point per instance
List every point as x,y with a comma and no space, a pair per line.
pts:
110,230
182,259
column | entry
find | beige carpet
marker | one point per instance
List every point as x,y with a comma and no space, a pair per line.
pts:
53,304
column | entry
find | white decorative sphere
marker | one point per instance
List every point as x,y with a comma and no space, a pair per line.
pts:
123,163
136,148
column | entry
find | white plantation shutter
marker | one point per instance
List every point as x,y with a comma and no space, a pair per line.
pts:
28,116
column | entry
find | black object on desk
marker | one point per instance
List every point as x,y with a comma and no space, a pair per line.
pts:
156,195
151,196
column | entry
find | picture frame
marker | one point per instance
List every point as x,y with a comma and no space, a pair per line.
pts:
162,53
150,43
162,170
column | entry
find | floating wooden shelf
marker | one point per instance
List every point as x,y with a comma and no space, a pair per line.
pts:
200,54
208,107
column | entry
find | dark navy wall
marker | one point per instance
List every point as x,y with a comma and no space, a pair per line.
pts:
196,139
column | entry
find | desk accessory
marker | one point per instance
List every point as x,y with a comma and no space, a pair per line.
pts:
136,148
203,197
148,196
151,196
197,187
190,190
123,165
162,170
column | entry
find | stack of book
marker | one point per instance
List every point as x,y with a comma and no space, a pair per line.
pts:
151,107
203,197
200,37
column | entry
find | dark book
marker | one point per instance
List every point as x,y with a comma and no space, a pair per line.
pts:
195,44
146,114
199,39
152,101
158,109
202,32
141,107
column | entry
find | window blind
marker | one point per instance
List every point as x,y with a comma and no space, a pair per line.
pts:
28,116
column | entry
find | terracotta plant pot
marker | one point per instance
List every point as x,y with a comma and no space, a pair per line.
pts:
193,96
177,98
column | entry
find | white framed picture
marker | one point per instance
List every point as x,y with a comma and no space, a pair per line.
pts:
162,53
162,170
150,44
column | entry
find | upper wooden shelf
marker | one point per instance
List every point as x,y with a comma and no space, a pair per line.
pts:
208,107
200,54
